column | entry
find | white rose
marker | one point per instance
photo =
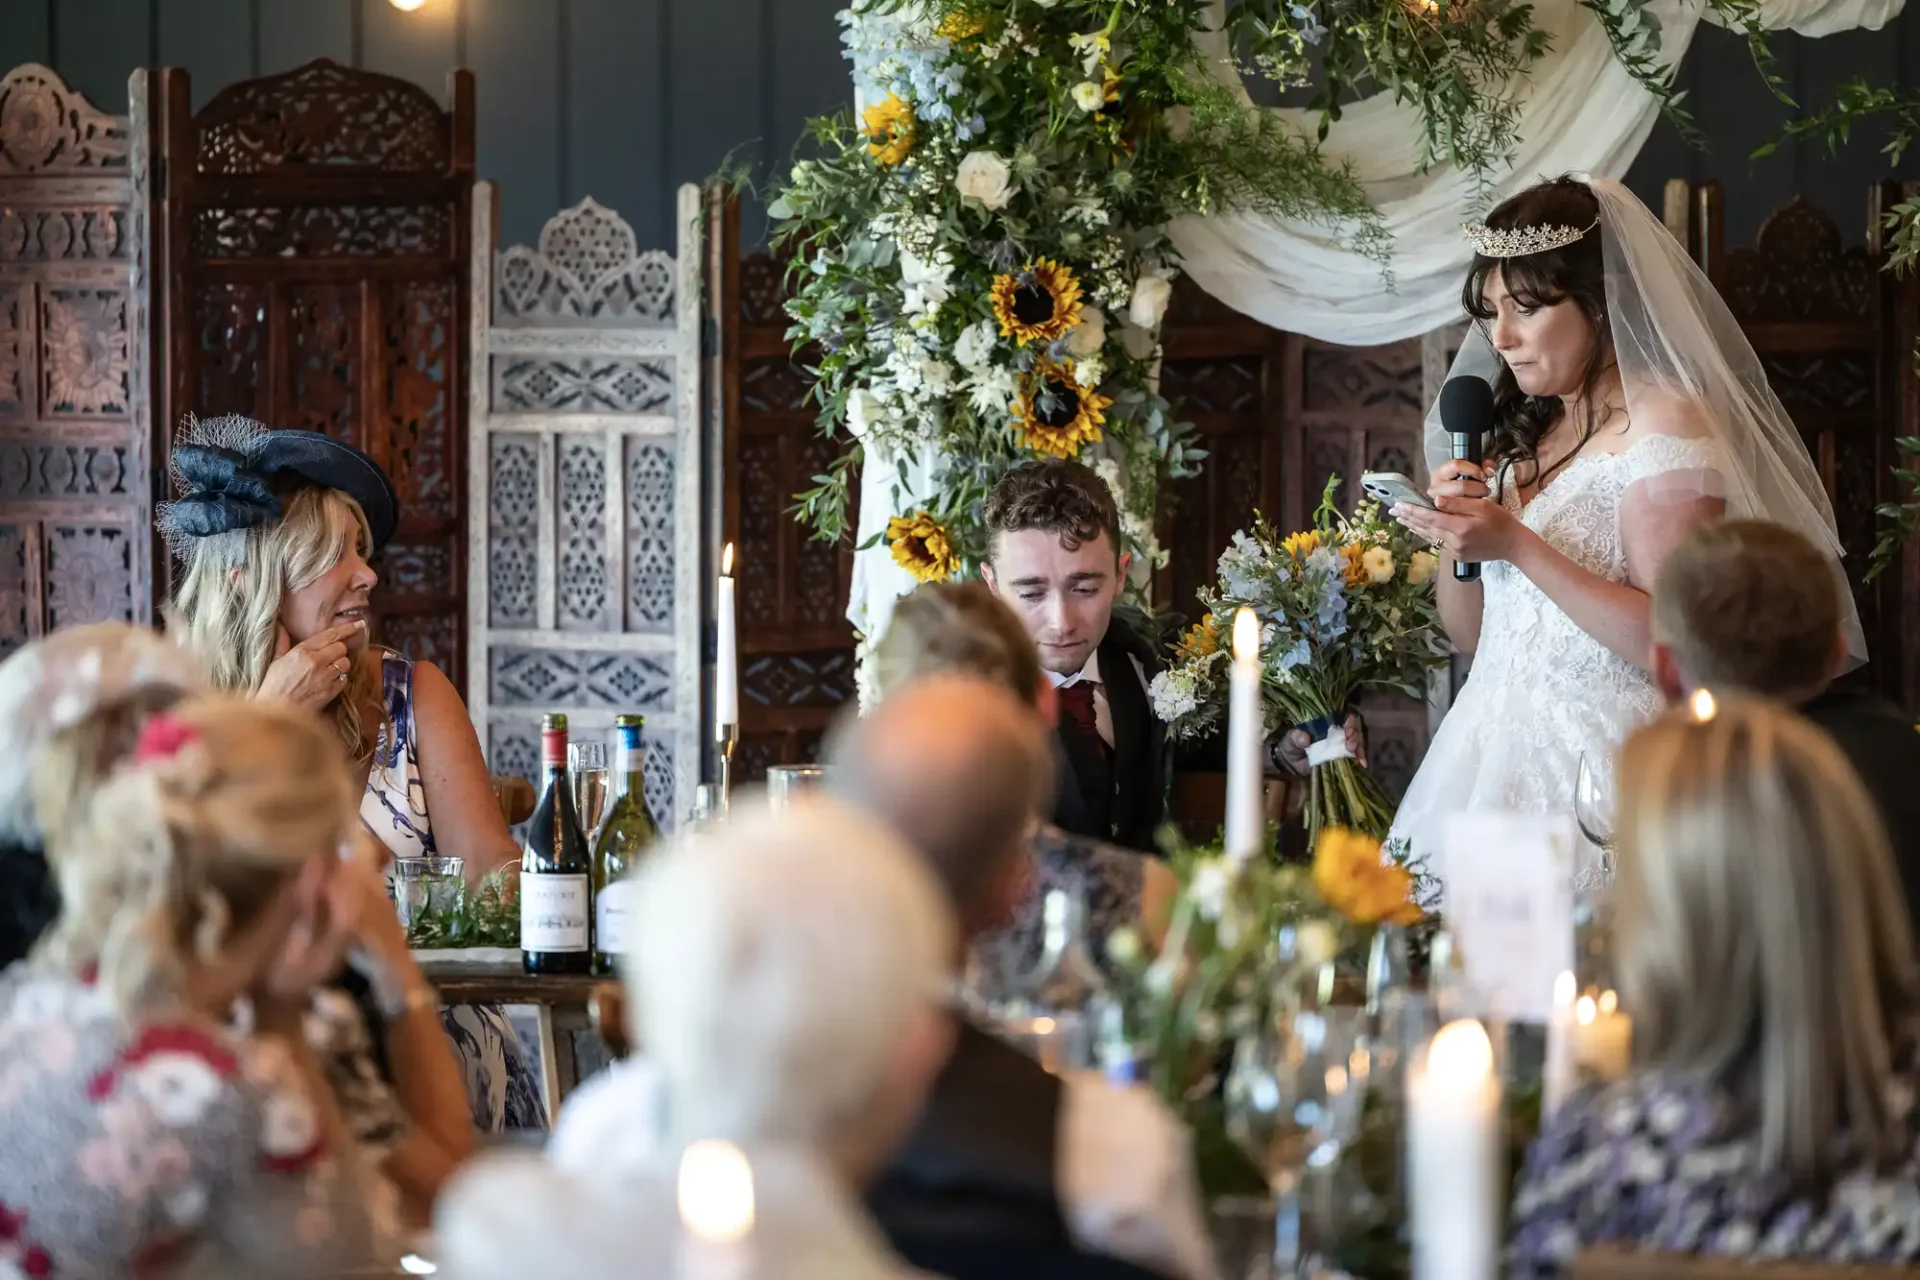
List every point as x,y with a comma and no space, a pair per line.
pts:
937,377
864,412
1089,335
1421,567
974,347
1149,304
1089,95
915,269
985,177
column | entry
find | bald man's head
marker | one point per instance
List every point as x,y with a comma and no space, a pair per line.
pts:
962,770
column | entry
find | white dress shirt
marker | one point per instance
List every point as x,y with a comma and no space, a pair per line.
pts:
1123,1164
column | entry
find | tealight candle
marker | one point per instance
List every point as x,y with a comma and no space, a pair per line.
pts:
1455,1156
1602,1036
715,1194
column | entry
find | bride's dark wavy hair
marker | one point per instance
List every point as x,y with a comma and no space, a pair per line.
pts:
1575,272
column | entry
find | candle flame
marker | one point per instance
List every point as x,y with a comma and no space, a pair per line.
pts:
1563,989
1609,1002
726,562
1583,1011
1461,1051
1703,706
716,1192
1246,635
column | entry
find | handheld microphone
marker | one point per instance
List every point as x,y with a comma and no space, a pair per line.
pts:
1466,412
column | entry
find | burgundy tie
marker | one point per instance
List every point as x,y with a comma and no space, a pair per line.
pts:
1076,705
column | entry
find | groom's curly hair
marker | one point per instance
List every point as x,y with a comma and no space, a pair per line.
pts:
1064,498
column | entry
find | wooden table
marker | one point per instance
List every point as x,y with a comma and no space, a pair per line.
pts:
564,1004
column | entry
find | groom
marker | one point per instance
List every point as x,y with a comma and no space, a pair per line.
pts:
1054,557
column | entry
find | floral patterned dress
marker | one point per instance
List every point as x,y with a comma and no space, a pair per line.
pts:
501,1082
1104,877
1670,1165
169,1146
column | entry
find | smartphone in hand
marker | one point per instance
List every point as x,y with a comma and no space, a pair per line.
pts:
1390,488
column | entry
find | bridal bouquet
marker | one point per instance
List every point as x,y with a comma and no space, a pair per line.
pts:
1345,606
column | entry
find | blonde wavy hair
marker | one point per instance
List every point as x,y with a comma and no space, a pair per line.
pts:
171,856
227,605
946,628
1753,865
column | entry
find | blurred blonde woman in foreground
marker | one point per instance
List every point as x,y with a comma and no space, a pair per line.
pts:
1776,1119
786,987
141,1136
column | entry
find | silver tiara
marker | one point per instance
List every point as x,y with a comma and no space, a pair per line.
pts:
1521,241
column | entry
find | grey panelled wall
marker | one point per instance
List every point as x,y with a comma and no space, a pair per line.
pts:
624,100
621,100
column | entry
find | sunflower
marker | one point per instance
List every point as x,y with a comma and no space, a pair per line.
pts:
889,130
1038,303
1054,414
959,26
921,547
1301,545
1351,877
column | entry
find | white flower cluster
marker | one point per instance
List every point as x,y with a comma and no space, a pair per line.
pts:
1176,691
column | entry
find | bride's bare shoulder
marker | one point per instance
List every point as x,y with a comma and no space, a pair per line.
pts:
1660,411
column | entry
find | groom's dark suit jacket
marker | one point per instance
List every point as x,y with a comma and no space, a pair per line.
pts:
1124,802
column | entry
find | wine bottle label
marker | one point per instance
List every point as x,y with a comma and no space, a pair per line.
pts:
612,915
553,912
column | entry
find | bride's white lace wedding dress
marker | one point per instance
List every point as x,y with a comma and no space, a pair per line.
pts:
1542,691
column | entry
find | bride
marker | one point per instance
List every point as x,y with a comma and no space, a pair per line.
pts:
1629,407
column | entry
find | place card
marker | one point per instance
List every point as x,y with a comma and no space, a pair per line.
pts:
1509,908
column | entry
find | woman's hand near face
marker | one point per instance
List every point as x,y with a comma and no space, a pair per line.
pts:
314,672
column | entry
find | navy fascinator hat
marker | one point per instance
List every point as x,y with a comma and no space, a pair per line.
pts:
229,472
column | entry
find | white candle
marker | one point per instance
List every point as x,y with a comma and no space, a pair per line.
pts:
716,1213
726,659
1454,1156
1562,1070
1602,1036
1246,731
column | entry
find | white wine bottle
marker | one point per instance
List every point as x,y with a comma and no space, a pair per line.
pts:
629,831
556,868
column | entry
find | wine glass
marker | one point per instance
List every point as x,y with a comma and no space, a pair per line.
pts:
588,763
1293,1101
1593,810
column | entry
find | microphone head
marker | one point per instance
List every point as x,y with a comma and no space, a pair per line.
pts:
1466,405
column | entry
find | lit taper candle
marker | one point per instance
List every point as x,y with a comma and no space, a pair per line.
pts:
726,660
1246,731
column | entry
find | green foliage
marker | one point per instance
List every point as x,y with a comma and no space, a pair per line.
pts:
485,917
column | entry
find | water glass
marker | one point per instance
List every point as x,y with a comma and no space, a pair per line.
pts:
787,782
587,766
424,886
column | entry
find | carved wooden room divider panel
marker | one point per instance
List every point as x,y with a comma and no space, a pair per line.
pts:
1277,414
585,476
797,656
313,228
1818,315
75,446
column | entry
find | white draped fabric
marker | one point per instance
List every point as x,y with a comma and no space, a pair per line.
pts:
1582,112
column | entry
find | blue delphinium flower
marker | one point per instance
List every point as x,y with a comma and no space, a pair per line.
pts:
1298,656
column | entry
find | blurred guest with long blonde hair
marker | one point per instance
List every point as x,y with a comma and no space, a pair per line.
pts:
142,1135
1777,1118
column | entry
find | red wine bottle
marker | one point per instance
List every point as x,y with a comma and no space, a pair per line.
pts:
556,868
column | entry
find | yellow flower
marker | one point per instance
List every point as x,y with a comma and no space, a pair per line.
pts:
922,548
1054,414
1421,566
1355,570
1200,640
889,130
1301,545
1039,303
1379,564
1351,877
960,26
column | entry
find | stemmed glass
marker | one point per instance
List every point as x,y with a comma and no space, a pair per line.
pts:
1293,1101
588,764
1593,810
1592,883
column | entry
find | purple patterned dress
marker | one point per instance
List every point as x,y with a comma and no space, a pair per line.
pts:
501,1081
1672,1165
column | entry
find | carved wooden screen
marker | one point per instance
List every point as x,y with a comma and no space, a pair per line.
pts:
1816,314
585,478
314,229
75,446
1277,414
796,661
